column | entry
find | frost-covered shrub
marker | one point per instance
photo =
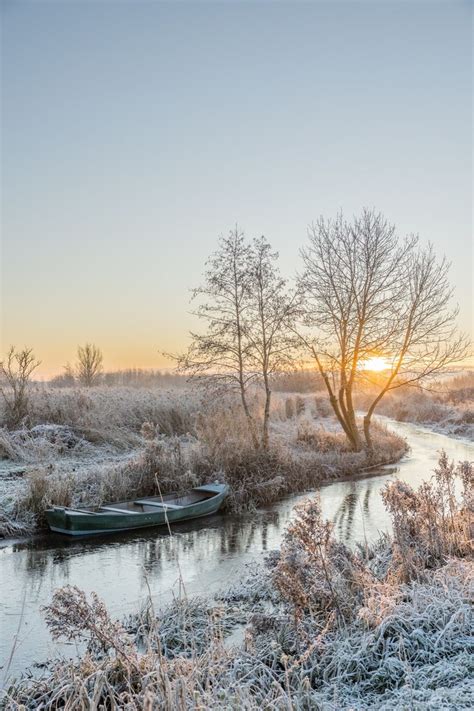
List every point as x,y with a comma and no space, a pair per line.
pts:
11,526
300,405
322,406
184,628
313,437
115,413
316,573
41,443
466,417
432,523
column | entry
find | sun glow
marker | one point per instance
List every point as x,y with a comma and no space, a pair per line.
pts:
375,364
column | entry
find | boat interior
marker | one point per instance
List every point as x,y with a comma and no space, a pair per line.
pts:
152,504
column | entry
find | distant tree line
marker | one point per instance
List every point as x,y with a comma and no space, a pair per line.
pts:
128,377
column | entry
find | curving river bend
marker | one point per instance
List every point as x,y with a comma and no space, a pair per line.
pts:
212,552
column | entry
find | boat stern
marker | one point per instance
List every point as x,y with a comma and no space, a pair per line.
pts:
57,519
215,488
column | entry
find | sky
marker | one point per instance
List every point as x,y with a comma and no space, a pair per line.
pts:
135,133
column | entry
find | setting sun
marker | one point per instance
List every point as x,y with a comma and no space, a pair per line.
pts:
376,364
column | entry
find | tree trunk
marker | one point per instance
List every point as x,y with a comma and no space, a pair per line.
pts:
351,418
368,438
266,418
250,420
345,416
334,402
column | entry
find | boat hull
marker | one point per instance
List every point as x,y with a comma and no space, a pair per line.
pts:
75,523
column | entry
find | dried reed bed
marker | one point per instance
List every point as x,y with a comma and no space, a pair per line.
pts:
103,415
326,628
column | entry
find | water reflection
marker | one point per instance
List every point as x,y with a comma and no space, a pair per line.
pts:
355,504
211,552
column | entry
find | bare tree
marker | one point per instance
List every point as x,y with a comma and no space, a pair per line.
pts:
15,375
426,340
89,364
66,379
368,293
270,322
247,312
220,355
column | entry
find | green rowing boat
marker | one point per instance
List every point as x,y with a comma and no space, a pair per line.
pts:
141,513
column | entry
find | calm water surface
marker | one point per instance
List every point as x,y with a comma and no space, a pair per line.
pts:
212,552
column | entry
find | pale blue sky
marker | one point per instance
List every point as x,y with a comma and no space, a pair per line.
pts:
134,133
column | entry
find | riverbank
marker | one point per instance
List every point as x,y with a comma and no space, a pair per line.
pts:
212,552
78,457
322,626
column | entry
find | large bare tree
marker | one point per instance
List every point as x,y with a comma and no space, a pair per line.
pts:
367,293
89,364
15,375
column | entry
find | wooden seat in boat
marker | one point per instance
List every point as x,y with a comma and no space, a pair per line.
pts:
111,508
159,504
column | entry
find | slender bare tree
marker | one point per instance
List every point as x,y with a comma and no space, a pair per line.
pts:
89,364
270,322
66,379
15,376
247,310
220,355
368,293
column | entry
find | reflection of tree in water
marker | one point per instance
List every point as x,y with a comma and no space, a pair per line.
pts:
232,538
343,519
359,493
38,562
366,501
51,558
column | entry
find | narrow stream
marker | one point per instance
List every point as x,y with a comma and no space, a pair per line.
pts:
212,552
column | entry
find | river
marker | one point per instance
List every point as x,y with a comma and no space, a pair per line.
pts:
212,552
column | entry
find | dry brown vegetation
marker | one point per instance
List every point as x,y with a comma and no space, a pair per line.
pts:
326,627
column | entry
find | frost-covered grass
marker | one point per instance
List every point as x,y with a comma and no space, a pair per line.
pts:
112,415
324,627
84,447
